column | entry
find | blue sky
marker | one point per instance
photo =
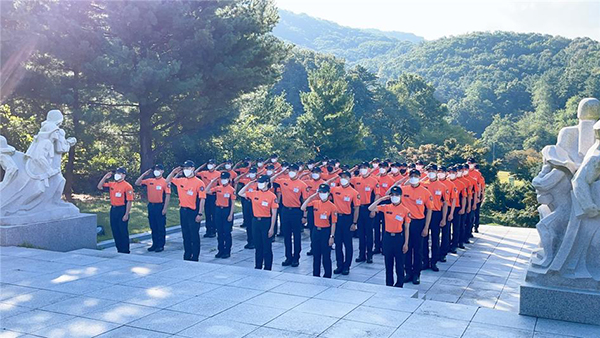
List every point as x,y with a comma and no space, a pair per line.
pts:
435,19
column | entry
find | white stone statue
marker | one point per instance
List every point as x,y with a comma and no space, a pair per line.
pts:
32,188
557,186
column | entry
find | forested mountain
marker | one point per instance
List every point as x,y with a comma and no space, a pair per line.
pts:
479,75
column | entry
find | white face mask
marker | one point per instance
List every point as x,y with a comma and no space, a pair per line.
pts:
224,181
344,181
310,166
337,165
210,166
395,199
465,173
301,168
324,163
260,164
261,185
394,170
269,172
452,176
252,175
228,166
188,172
459,174
364,171
315,176
118,177
471,166
273,160
432,175
414,180
382,170
157,173
441,176
419,167
323,196
292,174
375,165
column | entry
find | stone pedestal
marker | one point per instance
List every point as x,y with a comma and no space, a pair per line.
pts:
562,304
60,235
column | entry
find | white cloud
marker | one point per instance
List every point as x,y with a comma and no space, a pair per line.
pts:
434,19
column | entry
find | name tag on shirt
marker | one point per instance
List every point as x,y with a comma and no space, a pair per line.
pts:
367,188
265,203
226,195
158,187
323,216
438,192
332,184
384,185
346,199
118,194
296,189
250,190
399,218
419,201
190,192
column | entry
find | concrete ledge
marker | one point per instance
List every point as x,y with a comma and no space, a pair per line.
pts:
147,235
563,304
60,235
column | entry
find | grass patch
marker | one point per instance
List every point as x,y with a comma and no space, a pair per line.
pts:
138,217
506,177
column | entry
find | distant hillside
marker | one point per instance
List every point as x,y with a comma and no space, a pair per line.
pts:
328,37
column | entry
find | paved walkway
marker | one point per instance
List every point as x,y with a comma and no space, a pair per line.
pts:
487,274
89,293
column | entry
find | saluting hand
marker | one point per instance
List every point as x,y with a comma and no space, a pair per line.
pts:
108,174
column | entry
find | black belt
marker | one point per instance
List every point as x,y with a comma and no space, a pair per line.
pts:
261,218
222,207
321,228
394,233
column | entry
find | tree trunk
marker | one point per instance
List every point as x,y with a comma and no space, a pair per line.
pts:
70,166
146,151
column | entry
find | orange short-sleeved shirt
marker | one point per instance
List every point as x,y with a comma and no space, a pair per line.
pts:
120,192
262,202
469,186
395,217
156,188
396,177
293,192
232,174
439,192
189,189
345,198
325,213
206,176
416,199
366,187
224,195
453,193
461,189
385,183
312,185
335,182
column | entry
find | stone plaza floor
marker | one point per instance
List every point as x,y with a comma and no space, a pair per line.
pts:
89,293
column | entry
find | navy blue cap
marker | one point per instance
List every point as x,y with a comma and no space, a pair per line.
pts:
396,190
121,170
188,164
264,179
324,188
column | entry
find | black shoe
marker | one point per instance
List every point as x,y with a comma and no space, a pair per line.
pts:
360,260
443,259
295,264
416,280
346,272
369,261
280,235
476,230
426,265
225,256
309,253
407,278
161,249
248,246
453,251
399,285
219,255
337,271
435,268
151,248
376,251
287,262
462,246
467,242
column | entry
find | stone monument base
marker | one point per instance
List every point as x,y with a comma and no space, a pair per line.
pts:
61,235
563,304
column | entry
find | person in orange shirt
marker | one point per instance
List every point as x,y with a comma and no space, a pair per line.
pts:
293,193
322,236
368,188
396,235
159,194
224,203
461,204
227,166
275,162
244,179
347,202
121,197
441,196
476,174
192,195
385,183
466,219
476,195
442,175
264,214
209,206
312,183
419,202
